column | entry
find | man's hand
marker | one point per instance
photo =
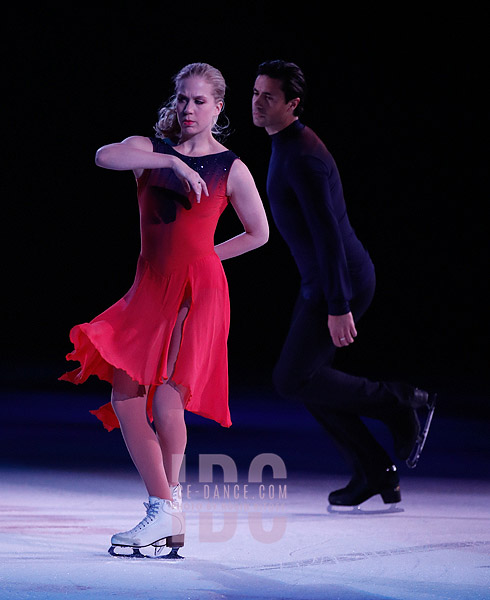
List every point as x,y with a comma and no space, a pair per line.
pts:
342,329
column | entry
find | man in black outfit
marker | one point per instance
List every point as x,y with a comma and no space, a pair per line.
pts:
337,286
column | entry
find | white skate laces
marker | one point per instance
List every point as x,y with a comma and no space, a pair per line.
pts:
152,510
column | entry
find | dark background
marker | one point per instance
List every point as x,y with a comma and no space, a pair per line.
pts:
398,98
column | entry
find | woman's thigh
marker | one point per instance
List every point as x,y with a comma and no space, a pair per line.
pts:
123,387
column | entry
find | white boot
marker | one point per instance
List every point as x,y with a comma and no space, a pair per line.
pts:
163,520
176,541
177,495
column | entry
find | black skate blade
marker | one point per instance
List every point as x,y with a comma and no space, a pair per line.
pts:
130,552
413,459
172,555
359,510
125,552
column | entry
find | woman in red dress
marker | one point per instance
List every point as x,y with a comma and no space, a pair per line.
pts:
163,345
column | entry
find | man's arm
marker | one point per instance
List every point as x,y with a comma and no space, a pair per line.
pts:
311,184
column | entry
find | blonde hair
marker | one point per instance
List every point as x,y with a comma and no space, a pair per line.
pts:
167,125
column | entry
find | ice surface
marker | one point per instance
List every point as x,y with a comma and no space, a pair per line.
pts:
56,527
66,486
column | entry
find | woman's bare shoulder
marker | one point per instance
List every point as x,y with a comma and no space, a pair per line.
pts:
138,141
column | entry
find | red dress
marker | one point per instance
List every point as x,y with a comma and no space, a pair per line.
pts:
177,264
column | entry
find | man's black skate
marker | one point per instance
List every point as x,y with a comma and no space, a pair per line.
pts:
361,488
413,459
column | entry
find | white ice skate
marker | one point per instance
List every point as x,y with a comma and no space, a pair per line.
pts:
177,495
163,525
176,491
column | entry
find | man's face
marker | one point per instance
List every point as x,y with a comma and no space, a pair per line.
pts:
269,107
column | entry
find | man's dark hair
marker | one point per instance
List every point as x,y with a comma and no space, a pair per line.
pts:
291,77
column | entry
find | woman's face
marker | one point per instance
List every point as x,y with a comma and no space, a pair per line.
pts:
197,109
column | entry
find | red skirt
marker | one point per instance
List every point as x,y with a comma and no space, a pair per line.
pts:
134,335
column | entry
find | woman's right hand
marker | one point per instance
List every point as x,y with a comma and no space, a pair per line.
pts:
190,179
136,153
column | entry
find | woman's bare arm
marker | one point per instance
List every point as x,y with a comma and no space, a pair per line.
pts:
246,201
136,154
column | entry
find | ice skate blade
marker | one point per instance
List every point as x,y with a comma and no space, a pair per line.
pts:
130,552
172,555
413,459
359,510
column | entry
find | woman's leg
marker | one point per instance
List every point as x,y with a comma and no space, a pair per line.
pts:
157,456
129,402
168,415
168,409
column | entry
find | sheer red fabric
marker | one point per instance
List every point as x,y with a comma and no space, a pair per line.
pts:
177,264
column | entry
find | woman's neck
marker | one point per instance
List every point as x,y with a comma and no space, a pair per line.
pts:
198,145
